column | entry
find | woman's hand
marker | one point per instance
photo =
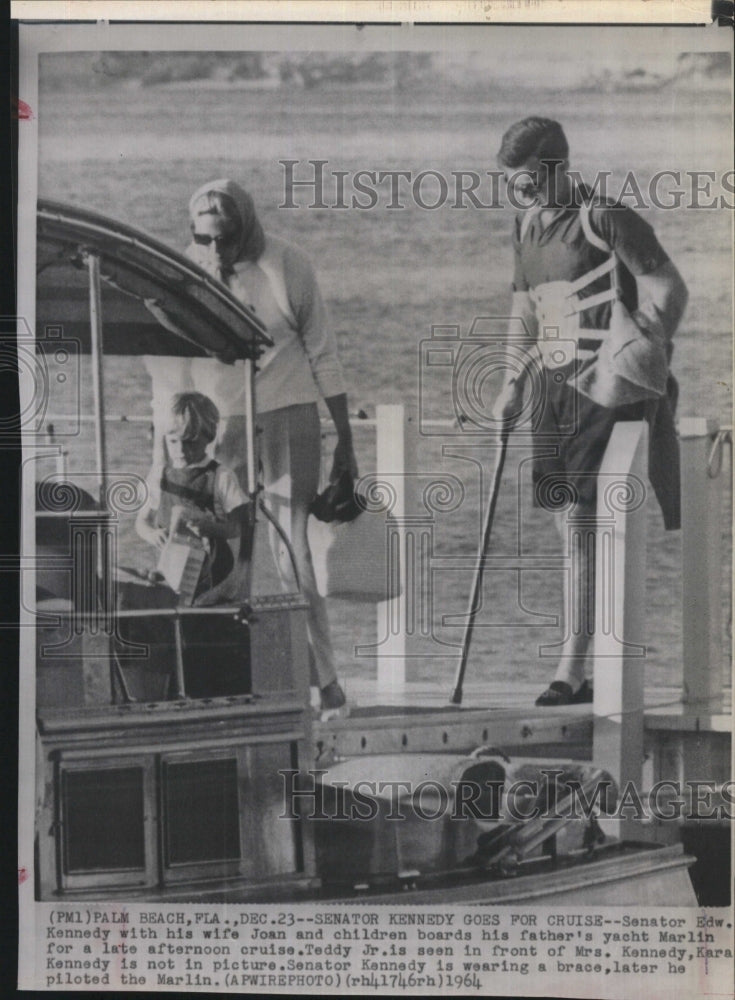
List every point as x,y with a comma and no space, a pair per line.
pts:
344,454
344,460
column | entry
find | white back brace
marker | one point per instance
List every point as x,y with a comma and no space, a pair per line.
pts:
558,305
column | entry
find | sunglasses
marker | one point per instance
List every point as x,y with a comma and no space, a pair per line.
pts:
203,240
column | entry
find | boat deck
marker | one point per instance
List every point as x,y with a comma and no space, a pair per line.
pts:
419,718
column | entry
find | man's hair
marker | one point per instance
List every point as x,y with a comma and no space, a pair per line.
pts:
542,138
196,414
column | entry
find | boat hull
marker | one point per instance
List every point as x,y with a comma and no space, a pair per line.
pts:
619,875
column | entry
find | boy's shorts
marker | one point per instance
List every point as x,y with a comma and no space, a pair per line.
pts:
569,443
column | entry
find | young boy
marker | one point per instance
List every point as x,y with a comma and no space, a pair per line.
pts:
203,495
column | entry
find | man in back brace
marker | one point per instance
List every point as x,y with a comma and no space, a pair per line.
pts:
600,300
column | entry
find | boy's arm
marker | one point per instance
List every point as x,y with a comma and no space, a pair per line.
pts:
207,526
231,509
145,525
235,588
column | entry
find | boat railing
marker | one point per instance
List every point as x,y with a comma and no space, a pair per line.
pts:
625,727
621,739
703,443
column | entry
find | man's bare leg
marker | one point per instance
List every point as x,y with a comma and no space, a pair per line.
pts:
579,608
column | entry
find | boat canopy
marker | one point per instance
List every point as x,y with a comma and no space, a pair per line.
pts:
154,300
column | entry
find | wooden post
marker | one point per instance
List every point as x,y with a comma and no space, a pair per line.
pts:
395,458
701,566
620,616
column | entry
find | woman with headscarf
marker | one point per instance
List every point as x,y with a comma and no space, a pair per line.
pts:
276,280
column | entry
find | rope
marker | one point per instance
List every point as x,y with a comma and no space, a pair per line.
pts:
284,538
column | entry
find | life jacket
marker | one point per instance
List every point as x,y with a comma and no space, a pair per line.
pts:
193,487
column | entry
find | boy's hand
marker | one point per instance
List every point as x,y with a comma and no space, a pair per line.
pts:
158,537
200,525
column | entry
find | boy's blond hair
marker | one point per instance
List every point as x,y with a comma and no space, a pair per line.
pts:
197,413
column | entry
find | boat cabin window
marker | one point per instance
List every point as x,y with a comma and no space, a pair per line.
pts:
193,793
169,817
103,820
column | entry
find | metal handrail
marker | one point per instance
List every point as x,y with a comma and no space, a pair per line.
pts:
725,431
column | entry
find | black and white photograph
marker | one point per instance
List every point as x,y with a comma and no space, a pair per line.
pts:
376,415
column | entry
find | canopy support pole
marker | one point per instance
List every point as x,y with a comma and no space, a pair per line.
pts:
95,323
252,479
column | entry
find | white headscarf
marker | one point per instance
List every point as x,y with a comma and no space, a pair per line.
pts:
252,237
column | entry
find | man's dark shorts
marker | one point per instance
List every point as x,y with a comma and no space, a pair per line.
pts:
569,443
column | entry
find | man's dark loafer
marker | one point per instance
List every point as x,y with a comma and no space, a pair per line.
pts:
332,696
559,693
584,695
333,703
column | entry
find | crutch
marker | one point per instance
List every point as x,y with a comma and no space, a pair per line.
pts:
472,609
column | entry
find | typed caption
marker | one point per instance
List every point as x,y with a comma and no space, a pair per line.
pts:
380,950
